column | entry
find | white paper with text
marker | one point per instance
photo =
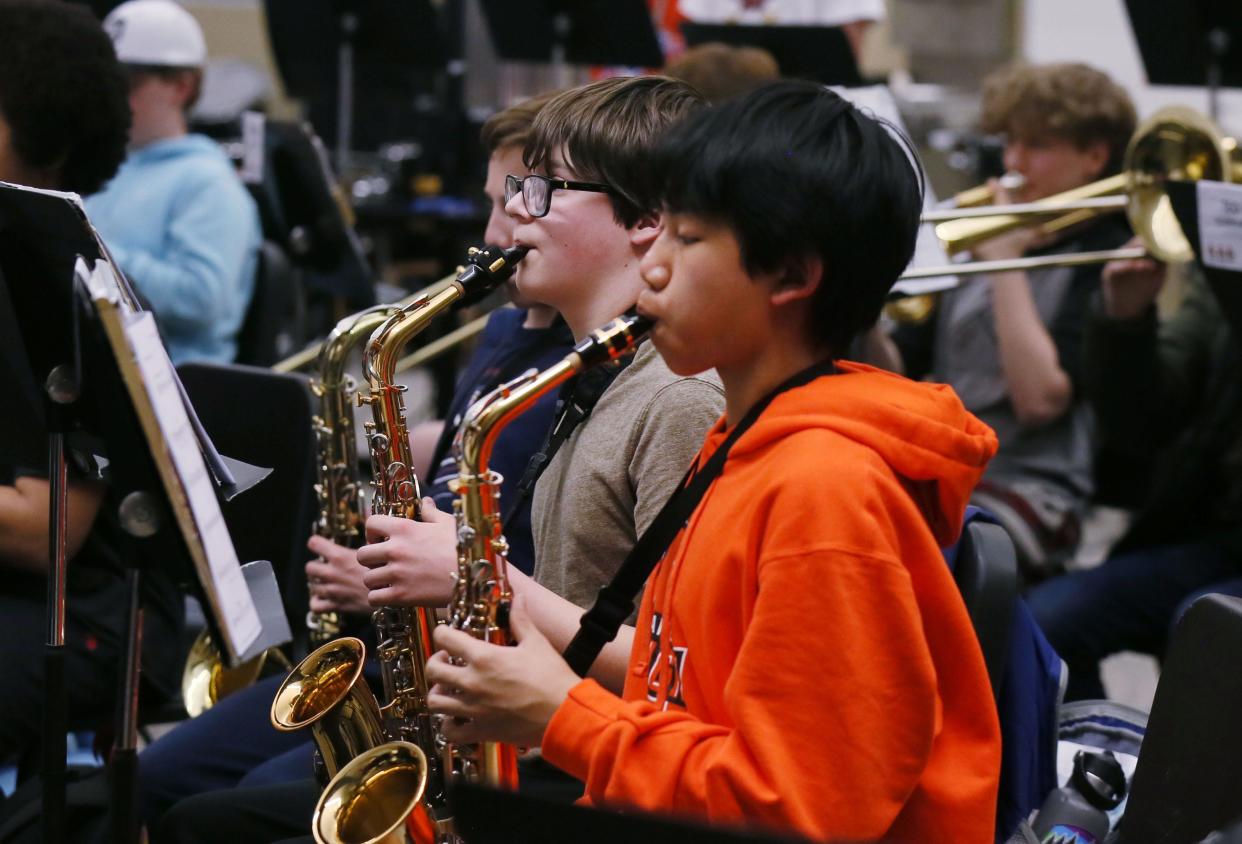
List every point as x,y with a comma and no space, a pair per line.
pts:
237,607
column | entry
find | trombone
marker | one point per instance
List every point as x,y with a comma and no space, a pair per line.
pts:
1176,144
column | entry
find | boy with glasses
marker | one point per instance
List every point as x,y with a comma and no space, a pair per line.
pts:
602,487
802,660
584,213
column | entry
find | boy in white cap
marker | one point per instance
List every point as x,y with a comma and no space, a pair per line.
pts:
176,217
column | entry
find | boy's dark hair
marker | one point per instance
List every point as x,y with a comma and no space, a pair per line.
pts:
511,127
62,92
607,131
1071,101
796,172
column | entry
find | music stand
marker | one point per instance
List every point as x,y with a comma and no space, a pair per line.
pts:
383,53
491,816
95,359
819,53
1194,42
599,32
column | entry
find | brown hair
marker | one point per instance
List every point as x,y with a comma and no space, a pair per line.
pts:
721,71
1070,101
510,127
607,131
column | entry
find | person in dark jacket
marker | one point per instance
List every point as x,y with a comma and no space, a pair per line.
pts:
1171,391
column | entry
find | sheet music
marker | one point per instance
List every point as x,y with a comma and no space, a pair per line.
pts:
928,251
1220,225
236,605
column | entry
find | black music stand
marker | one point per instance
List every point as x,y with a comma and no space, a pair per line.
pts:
819,53
1186,782
1193,42
86,383
603,32
384,52
490,816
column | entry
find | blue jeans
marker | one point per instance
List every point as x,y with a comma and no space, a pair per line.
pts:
231,744
1128,603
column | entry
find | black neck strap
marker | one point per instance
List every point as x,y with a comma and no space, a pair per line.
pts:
599,625
577,399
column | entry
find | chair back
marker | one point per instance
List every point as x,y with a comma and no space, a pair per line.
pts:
275,322
986,572
264,418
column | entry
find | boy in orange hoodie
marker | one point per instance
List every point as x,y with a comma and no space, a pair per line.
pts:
803,661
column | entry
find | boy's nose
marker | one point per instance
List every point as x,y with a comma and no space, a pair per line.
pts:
516,207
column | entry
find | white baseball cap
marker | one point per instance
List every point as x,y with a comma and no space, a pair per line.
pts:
156,32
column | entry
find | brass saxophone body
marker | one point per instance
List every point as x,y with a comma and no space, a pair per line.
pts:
342,510
404,633
482,595
326,691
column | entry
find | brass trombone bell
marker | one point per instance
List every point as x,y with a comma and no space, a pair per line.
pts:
1176,144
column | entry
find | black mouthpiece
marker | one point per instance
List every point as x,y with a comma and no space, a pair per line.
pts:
486,269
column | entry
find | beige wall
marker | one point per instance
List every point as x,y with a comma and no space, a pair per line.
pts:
239,31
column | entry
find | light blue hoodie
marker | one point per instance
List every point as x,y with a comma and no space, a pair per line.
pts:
183,228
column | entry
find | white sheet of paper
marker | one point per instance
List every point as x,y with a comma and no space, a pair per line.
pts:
239,613
1220,225
928,251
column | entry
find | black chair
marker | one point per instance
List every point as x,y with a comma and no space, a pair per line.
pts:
986,573
275,322
264,418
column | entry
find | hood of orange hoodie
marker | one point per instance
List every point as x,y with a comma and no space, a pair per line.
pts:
921,430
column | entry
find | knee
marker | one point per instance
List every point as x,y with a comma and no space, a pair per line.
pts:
1060,606
187,822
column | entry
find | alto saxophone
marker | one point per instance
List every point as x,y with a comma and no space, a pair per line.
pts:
383,794
404,633
326,691
482,596
342,510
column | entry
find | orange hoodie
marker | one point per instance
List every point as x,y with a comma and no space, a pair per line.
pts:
803,660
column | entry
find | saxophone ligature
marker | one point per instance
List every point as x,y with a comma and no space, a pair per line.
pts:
326,691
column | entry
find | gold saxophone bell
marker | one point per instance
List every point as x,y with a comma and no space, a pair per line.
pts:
327,692
377,799
206,680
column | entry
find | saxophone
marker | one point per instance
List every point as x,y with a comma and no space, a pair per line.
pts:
385,791
326,691
404,633
338,491
482,596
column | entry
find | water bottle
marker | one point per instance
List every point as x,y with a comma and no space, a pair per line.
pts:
1077,813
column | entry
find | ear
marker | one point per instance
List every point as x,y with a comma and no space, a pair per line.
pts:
1097,154
800,279
645,231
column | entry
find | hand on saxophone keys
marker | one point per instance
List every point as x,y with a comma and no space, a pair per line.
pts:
489,692
406,559
335,578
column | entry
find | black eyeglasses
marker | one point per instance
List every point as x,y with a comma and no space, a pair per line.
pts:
537,190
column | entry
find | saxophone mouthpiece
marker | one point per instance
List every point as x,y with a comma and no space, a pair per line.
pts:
486,269
515,253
